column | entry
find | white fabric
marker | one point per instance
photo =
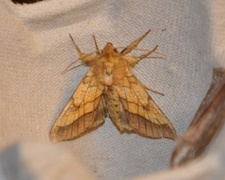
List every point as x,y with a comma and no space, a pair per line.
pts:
35,48
35,160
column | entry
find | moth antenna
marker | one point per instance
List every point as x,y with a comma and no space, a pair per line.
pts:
69,69
156,52
140,49
96,45
134,44
70,66
146,55
76,47
156,57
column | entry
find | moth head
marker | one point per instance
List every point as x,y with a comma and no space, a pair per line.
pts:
108,49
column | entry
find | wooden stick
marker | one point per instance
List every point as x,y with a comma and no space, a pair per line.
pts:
205,125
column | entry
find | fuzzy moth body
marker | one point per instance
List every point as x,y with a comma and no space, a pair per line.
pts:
109,87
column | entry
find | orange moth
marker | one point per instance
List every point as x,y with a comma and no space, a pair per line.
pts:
110,88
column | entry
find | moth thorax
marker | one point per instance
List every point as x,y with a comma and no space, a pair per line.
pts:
108,73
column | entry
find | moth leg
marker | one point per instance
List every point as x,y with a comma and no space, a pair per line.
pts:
134,60
152,90
85,58
149,89
134,44
96,46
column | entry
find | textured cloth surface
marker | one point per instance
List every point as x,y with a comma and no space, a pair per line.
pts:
35,160
35,48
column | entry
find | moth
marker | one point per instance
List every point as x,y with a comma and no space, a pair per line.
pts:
109,88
